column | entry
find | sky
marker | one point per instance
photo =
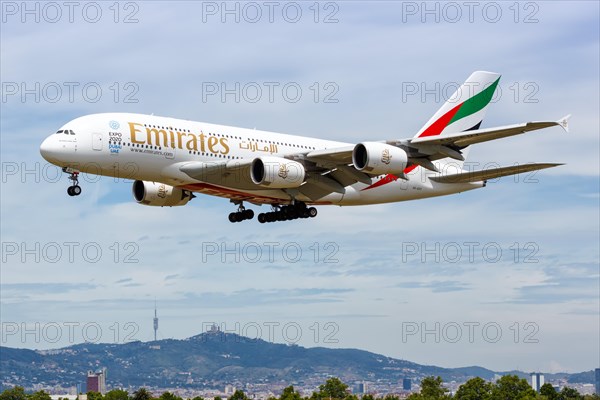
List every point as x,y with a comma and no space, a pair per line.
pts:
505,277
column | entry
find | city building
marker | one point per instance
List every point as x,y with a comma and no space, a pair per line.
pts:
537,381
360,388
406,384
96,381
229,390
598,381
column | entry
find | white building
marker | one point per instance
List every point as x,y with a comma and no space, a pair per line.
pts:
537,380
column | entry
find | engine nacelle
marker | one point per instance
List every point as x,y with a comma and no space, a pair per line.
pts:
159,194
277,173
379,158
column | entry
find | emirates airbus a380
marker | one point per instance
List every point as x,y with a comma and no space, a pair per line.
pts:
170,159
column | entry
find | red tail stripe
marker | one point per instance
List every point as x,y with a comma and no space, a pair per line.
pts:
438,126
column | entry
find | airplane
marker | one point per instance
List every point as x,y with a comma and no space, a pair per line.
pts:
170,159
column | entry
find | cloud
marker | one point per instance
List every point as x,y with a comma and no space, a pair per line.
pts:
46,287
563,284
436,286
252,297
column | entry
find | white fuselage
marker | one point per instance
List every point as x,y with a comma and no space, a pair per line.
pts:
153,148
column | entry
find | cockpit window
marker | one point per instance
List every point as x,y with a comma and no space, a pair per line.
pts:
71,132
59,132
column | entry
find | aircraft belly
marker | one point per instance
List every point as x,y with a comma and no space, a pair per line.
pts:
400,190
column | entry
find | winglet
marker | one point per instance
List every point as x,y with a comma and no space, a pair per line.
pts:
564,122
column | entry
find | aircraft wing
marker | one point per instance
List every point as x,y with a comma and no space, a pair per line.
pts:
463,139
483,175
424,150
335,156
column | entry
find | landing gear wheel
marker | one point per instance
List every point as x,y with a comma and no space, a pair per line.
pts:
76,190
261,218
70,191
312,212
241,214
232,217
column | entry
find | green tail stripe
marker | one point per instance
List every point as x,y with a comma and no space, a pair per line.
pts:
475,103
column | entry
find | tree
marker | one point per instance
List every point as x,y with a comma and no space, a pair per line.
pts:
141,394
16,393
511,387
198,398
548,391
333,388
290,394
431,388
389,397
368,397
474,389
168,396
568,393
238,395
116,394
39,395
93,396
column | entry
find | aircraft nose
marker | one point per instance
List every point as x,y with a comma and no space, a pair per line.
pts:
49,149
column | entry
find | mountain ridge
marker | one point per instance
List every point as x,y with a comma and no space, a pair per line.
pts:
212,359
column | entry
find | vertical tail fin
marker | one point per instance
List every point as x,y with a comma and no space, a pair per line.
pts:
466,108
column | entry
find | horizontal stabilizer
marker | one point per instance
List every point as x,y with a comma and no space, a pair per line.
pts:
478,176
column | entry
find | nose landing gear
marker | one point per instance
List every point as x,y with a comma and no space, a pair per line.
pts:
74,189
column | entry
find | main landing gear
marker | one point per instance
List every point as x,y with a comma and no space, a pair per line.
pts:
241,215
288,213
74,189
279,213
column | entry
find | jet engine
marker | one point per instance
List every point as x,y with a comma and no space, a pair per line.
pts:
277,173
160,194
379,158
